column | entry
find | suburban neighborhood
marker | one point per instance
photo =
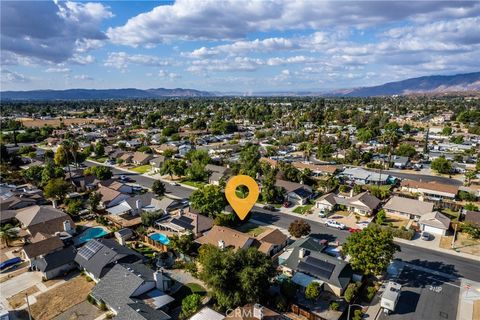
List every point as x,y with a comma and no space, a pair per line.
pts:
125,216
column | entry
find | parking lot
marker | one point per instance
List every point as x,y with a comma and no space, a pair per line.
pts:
425,296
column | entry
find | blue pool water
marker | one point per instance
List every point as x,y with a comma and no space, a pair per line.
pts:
91,233
163,239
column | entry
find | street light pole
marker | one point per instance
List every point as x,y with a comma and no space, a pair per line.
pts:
349,305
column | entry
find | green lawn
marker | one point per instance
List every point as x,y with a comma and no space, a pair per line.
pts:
99,159
251,228
303,209
195,184
453,215
142,169
186,290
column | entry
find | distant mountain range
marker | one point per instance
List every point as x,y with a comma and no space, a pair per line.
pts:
423,85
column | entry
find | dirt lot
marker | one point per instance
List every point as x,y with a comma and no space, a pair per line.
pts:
18,300
28,122
61,298
464,243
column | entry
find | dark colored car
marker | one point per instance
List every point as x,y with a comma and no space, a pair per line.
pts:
269,207
287,204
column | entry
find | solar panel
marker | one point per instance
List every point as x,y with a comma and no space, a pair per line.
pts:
185,219
182,224
313,270
89,249
324,265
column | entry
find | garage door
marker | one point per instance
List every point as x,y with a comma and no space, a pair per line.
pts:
433,230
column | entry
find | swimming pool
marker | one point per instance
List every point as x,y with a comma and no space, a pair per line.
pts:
91,233
163,239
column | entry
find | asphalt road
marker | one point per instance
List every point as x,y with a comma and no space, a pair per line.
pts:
443,262
176,191
434,260
420,177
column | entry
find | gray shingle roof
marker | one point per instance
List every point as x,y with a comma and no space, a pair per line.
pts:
407,205
56,259
109,252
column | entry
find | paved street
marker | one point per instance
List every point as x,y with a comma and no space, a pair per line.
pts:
420,177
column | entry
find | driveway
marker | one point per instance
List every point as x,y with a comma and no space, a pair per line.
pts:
20,283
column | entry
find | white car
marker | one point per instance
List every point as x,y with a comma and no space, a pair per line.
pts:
335,224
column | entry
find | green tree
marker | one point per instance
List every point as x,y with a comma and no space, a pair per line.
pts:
61,156
299,228
472,230
370,250
182,244
33,175
197,172
74,207
100,172
158,188
364,135
250,161
235,277
209,200
190,305
200,156
8,234
406,150
381,216
350,292
93,201
149,218
99,149
56,189
312,292
442,165
270,192
173,167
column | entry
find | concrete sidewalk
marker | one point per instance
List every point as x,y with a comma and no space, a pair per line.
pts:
469,294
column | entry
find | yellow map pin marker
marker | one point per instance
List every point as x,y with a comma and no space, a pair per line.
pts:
242,206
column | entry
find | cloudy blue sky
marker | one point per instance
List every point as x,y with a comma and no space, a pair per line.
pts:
234,45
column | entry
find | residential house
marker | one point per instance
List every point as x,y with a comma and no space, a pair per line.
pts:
46,220
134,292
272,241
133,144
157,163
98,256
41,245
297,193
184,149
434,222
126,158
56,263
434,191
216,173
407,208
362,177
224,237
187,220
134,206
363,203
117,186
472,217
111,197
306,262
141,158
317,170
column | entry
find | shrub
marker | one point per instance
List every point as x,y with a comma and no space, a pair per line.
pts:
281,304
191,267
88,279
91,300
102,306
350,292
371,293
334,306
357,315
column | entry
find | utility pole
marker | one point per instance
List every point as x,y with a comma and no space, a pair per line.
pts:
28,305
454,235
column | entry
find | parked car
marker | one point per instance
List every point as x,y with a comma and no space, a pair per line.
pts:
269,207
174,184
125,179
109,162
352,230
322,214
287,204
425,236
335,224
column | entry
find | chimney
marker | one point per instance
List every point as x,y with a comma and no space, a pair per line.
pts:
258,311
302,253
159,280
138,206
67,226
221,244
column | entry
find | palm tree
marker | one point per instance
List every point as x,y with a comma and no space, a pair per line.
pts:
8,234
